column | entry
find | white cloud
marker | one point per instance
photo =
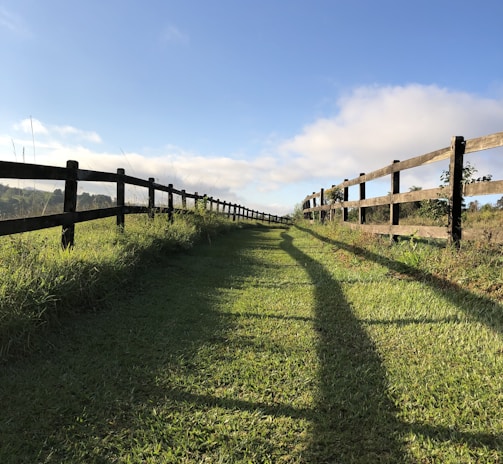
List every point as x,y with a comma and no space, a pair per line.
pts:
77,133
33,126
30,125
375,125
372,127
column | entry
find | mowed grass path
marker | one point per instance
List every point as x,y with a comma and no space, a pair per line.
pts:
269,345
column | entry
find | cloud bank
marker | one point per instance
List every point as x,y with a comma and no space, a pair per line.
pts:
371,127
375,125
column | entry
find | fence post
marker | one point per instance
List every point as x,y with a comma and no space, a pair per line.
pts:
120,198
322,203
196,198
345,199
331,211
361,210
394,207
184,199
313,214
170,203
233,211
456,189
70,203
151,197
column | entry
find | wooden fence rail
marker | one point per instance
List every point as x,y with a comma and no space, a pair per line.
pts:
453,193
70,216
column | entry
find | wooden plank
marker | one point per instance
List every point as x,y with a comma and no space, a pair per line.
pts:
484,143
16,226
135,181
418,195
385,229
96,176
310,197
406,197
11,170
432,157
483,188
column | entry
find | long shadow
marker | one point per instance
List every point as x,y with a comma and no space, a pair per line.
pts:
485,310
491,315
354,420
100,376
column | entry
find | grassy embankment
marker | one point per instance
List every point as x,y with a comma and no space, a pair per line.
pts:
41,283
310,344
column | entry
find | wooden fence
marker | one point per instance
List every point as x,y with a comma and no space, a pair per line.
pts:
453,192
70,216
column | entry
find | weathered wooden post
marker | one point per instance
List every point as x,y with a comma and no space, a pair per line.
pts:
171,207
70,203
345,199
331,211
234,212
394,207
313,213
196,198
361,209
456,189
120,198
151,197
184,199
322,203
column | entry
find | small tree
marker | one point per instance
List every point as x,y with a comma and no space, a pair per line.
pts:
436,209
334,195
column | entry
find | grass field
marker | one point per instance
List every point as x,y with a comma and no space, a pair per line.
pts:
300,345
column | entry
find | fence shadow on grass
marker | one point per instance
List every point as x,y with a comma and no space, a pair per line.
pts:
480,308
354,420
483,309
103,377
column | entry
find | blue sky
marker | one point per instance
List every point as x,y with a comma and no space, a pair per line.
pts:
260,102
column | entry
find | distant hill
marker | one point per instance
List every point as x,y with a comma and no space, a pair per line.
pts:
25,202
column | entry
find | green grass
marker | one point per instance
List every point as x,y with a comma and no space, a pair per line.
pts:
301,345
40,283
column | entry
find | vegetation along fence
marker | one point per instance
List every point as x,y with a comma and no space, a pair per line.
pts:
323,205
70,216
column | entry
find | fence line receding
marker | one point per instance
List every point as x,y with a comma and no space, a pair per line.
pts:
317,207
71,174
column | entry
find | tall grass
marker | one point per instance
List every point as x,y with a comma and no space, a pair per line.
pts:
40,282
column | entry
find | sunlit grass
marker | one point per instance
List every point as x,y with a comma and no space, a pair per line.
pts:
304,345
